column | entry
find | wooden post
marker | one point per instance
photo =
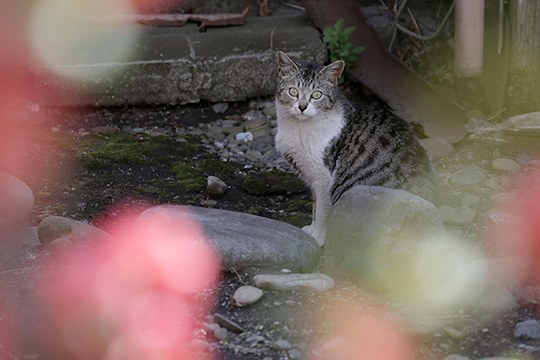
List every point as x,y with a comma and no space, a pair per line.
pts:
469,37
524,73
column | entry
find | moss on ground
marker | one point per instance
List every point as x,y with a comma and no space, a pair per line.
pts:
297,219
273,183
299,205
103,150
188,177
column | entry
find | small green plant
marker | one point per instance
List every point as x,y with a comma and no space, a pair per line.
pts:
337,40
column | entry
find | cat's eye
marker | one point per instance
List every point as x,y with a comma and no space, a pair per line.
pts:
293,92
316,95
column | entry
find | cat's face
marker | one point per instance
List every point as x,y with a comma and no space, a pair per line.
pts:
306,91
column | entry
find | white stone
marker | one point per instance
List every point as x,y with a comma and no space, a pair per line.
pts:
316,281
244,136
247,295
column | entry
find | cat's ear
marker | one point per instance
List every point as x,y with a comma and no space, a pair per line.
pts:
285,64
333,71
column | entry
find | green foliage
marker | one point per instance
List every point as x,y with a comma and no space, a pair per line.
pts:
339,46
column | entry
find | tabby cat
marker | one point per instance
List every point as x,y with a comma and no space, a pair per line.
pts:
335,146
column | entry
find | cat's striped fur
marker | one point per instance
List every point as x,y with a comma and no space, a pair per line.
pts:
335,146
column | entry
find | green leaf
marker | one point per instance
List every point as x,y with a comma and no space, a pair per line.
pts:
348,31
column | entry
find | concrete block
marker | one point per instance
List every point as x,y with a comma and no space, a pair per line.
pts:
179,65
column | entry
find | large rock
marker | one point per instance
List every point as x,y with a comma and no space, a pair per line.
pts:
395,244
369,221
16,203
250,242
516,134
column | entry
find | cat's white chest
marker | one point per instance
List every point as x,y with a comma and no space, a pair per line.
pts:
306,140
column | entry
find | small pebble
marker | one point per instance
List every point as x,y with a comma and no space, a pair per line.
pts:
469,176
215,186
295,354
220,333
244,136
220,107
247,295
282,344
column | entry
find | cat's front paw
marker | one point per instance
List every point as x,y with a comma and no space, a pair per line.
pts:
318,234
310,229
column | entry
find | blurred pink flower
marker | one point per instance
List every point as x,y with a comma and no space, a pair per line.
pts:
140,296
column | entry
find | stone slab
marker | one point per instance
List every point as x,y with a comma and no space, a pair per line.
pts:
179,65
248,242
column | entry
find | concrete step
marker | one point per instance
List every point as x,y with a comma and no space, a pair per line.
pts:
179,65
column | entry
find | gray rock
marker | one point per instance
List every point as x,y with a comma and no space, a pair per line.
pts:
505,165
469,176
64,231
247,295
470,200
16,203
282,344
215,186
316,281
369,223
253,155
437,147
457,215
529,329
294,354
220,333
250,242
220,107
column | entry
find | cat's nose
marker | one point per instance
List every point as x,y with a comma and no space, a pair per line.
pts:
302,107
